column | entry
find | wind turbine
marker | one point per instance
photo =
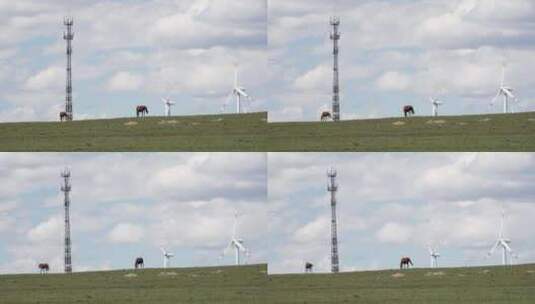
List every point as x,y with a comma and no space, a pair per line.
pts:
166,257
434,255
436,103
506,92
239,93
236,243
168,103
507,252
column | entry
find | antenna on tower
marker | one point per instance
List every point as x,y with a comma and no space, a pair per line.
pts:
66,189
332,187
68,36
335,36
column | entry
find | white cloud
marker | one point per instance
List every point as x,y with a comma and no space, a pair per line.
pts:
393,81
126,233
394,233
46,231
51,77
125,81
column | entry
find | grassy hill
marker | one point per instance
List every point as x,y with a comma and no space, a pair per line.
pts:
186,285
251,284
498,132
228,132
251,132
449,285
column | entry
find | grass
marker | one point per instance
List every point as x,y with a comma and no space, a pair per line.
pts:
187,133
250,284
498,132
450,285
187,285
251,132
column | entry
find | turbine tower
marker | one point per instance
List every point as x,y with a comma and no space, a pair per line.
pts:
507,252
66,189
69,36
236,243
434,255
332,187
166,257
335,36
506,92
436,103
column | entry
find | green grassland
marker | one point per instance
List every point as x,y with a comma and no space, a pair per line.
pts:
178,285
185,133
251,132
498,132
251,284
449,285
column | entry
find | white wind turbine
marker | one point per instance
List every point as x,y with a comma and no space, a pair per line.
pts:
239,93
236,243
166,257
168,103
507,252
434,255
506,92
435,103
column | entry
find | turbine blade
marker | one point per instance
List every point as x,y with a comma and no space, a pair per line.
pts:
504,244
491,251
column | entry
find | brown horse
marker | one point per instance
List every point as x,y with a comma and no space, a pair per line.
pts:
405,261
408,110
63,116
142,109
325,115
43,268
139,263
308,267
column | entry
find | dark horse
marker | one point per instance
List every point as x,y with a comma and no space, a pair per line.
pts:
308,267
43,268
405,261
139,263
325,115
408,110
141,109
63,116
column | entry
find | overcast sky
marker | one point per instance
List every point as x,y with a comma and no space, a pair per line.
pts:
399,52
128,205
392,53
128,53
395,204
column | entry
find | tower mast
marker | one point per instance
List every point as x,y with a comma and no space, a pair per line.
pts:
335,36
68,36
332,187
66,189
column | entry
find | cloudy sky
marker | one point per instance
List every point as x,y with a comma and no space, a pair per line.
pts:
128,53
128,205
392,53
391,205
401,52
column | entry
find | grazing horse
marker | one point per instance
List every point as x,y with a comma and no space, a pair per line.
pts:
43,268
405,261
408,110
63,116
142,109
308,267
325,115
139,263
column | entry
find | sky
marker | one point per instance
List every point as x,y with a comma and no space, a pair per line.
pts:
396,204
129,205
392,53
398,52
127,53
126,205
